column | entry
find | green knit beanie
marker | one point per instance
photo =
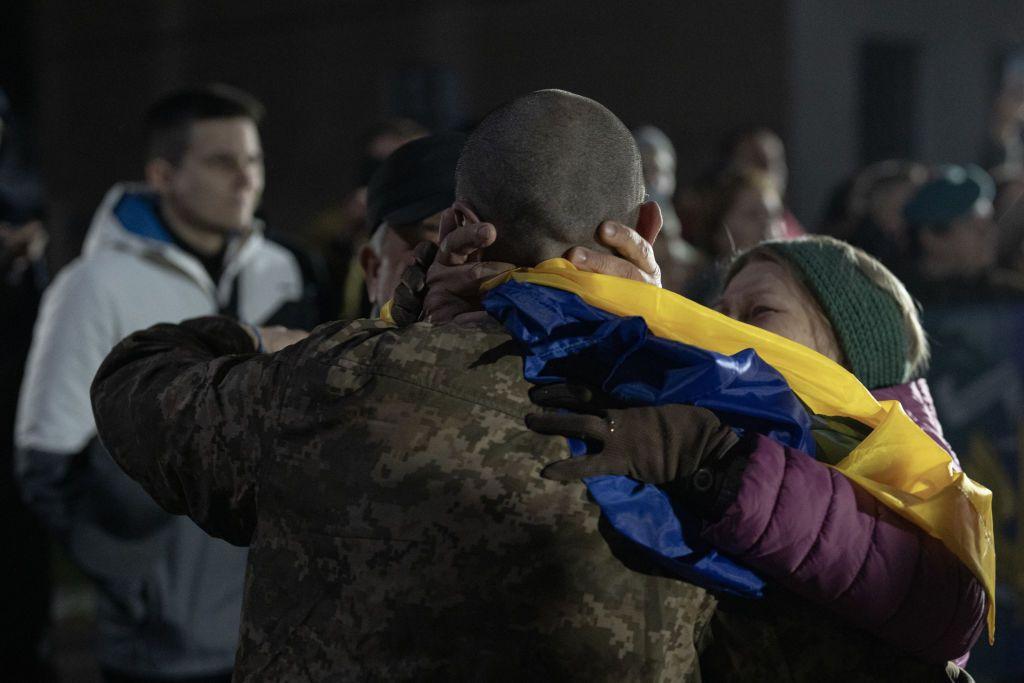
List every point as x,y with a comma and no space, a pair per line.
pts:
867,320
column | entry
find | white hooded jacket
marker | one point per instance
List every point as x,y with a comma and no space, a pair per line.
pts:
169,595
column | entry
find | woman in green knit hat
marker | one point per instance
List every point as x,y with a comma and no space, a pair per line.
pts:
834,298
856,592
905,604
863,563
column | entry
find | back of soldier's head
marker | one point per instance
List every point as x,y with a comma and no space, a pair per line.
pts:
546,169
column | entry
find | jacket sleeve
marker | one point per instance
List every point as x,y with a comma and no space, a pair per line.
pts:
187,410
808,527
74,330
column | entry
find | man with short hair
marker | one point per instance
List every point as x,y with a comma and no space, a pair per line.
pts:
384,478
184,244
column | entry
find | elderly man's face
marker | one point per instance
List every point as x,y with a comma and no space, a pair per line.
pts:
385,262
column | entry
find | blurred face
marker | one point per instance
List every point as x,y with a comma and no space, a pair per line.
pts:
659,169
766,295
1010,194
753,217
887,207
766,153
384,268
218,183
967,247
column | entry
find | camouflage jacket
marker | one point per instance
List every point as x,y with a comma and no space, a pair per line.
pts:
390,496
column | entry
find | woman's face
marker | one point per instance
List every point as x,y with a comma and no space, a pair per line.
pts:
766,295
754,216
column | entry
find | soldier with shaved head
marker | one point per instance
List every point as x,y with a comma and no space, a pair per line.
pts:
384,479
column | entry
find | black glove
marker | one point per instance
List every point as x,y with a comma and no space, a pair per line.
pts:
684,449
407,301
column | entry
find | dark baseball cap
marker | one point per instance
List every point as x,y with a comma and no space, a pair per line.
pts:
952,194
415,182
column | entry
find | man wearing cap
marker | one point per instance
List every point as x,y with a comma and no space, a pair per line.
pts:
405,199
954,240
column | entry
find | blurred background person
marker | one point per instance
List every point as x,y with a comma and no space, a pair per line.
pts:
340,231
1008,208
184,244
679,260
740,209
1004,144
404,201
954,240
877,199
759,148
25,567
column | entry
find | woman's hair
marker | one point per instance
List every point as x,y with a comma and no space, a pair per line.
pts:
917,351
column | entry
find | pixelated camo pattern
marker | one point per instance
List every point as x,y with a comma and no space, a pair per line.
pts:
399,528
404,531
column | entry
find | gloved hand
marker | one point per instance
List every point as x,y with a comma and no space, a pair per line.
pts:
407,301
665,445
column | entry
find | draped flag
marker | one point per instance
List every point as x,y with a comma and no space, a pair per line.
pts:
648,345
567,339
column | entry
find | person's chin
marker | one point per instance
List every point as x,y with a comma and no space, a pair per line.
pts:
238,223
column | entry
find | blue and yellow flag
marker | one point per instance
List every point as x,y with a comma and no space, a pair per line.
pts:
896,462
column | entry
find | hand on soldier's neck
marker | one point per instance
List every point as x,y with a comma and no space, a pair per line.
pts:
454,278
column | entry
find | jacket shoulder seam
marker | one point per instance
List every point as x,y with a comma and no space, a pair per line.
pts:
377,371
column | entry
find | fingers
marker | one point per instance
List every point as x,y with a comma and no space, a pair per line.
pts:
277,337
582,467
454,290
406,305
604,264
407,300
414,278
589,428
578,398
424,253
637,260
461,242
628,244
562,395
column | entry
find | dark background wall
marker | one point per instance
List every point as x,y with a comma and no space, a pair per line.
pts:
329,69
952,76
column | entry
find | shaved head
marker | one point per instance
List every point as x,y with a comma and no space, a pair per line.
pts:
546,169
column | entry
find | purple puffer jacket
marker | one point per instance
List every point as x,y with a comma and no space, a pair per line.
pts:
810,529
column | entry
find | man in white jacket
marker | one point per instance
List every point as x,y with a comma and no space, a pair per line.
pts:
183,245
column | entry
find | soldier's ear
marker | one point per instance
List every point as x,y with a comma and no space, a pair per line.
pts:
649,221
464,213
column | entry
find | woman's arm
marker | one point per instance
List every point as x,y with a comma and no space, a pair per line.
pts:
806,526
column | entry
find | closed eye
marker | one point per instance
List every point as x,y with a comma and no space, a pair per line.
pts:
759,311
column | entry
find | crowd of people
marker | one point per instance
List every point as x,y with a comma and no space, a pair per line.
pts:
345,453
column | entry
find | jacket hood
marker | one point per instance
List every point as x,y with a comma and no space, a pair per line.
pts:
128,219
